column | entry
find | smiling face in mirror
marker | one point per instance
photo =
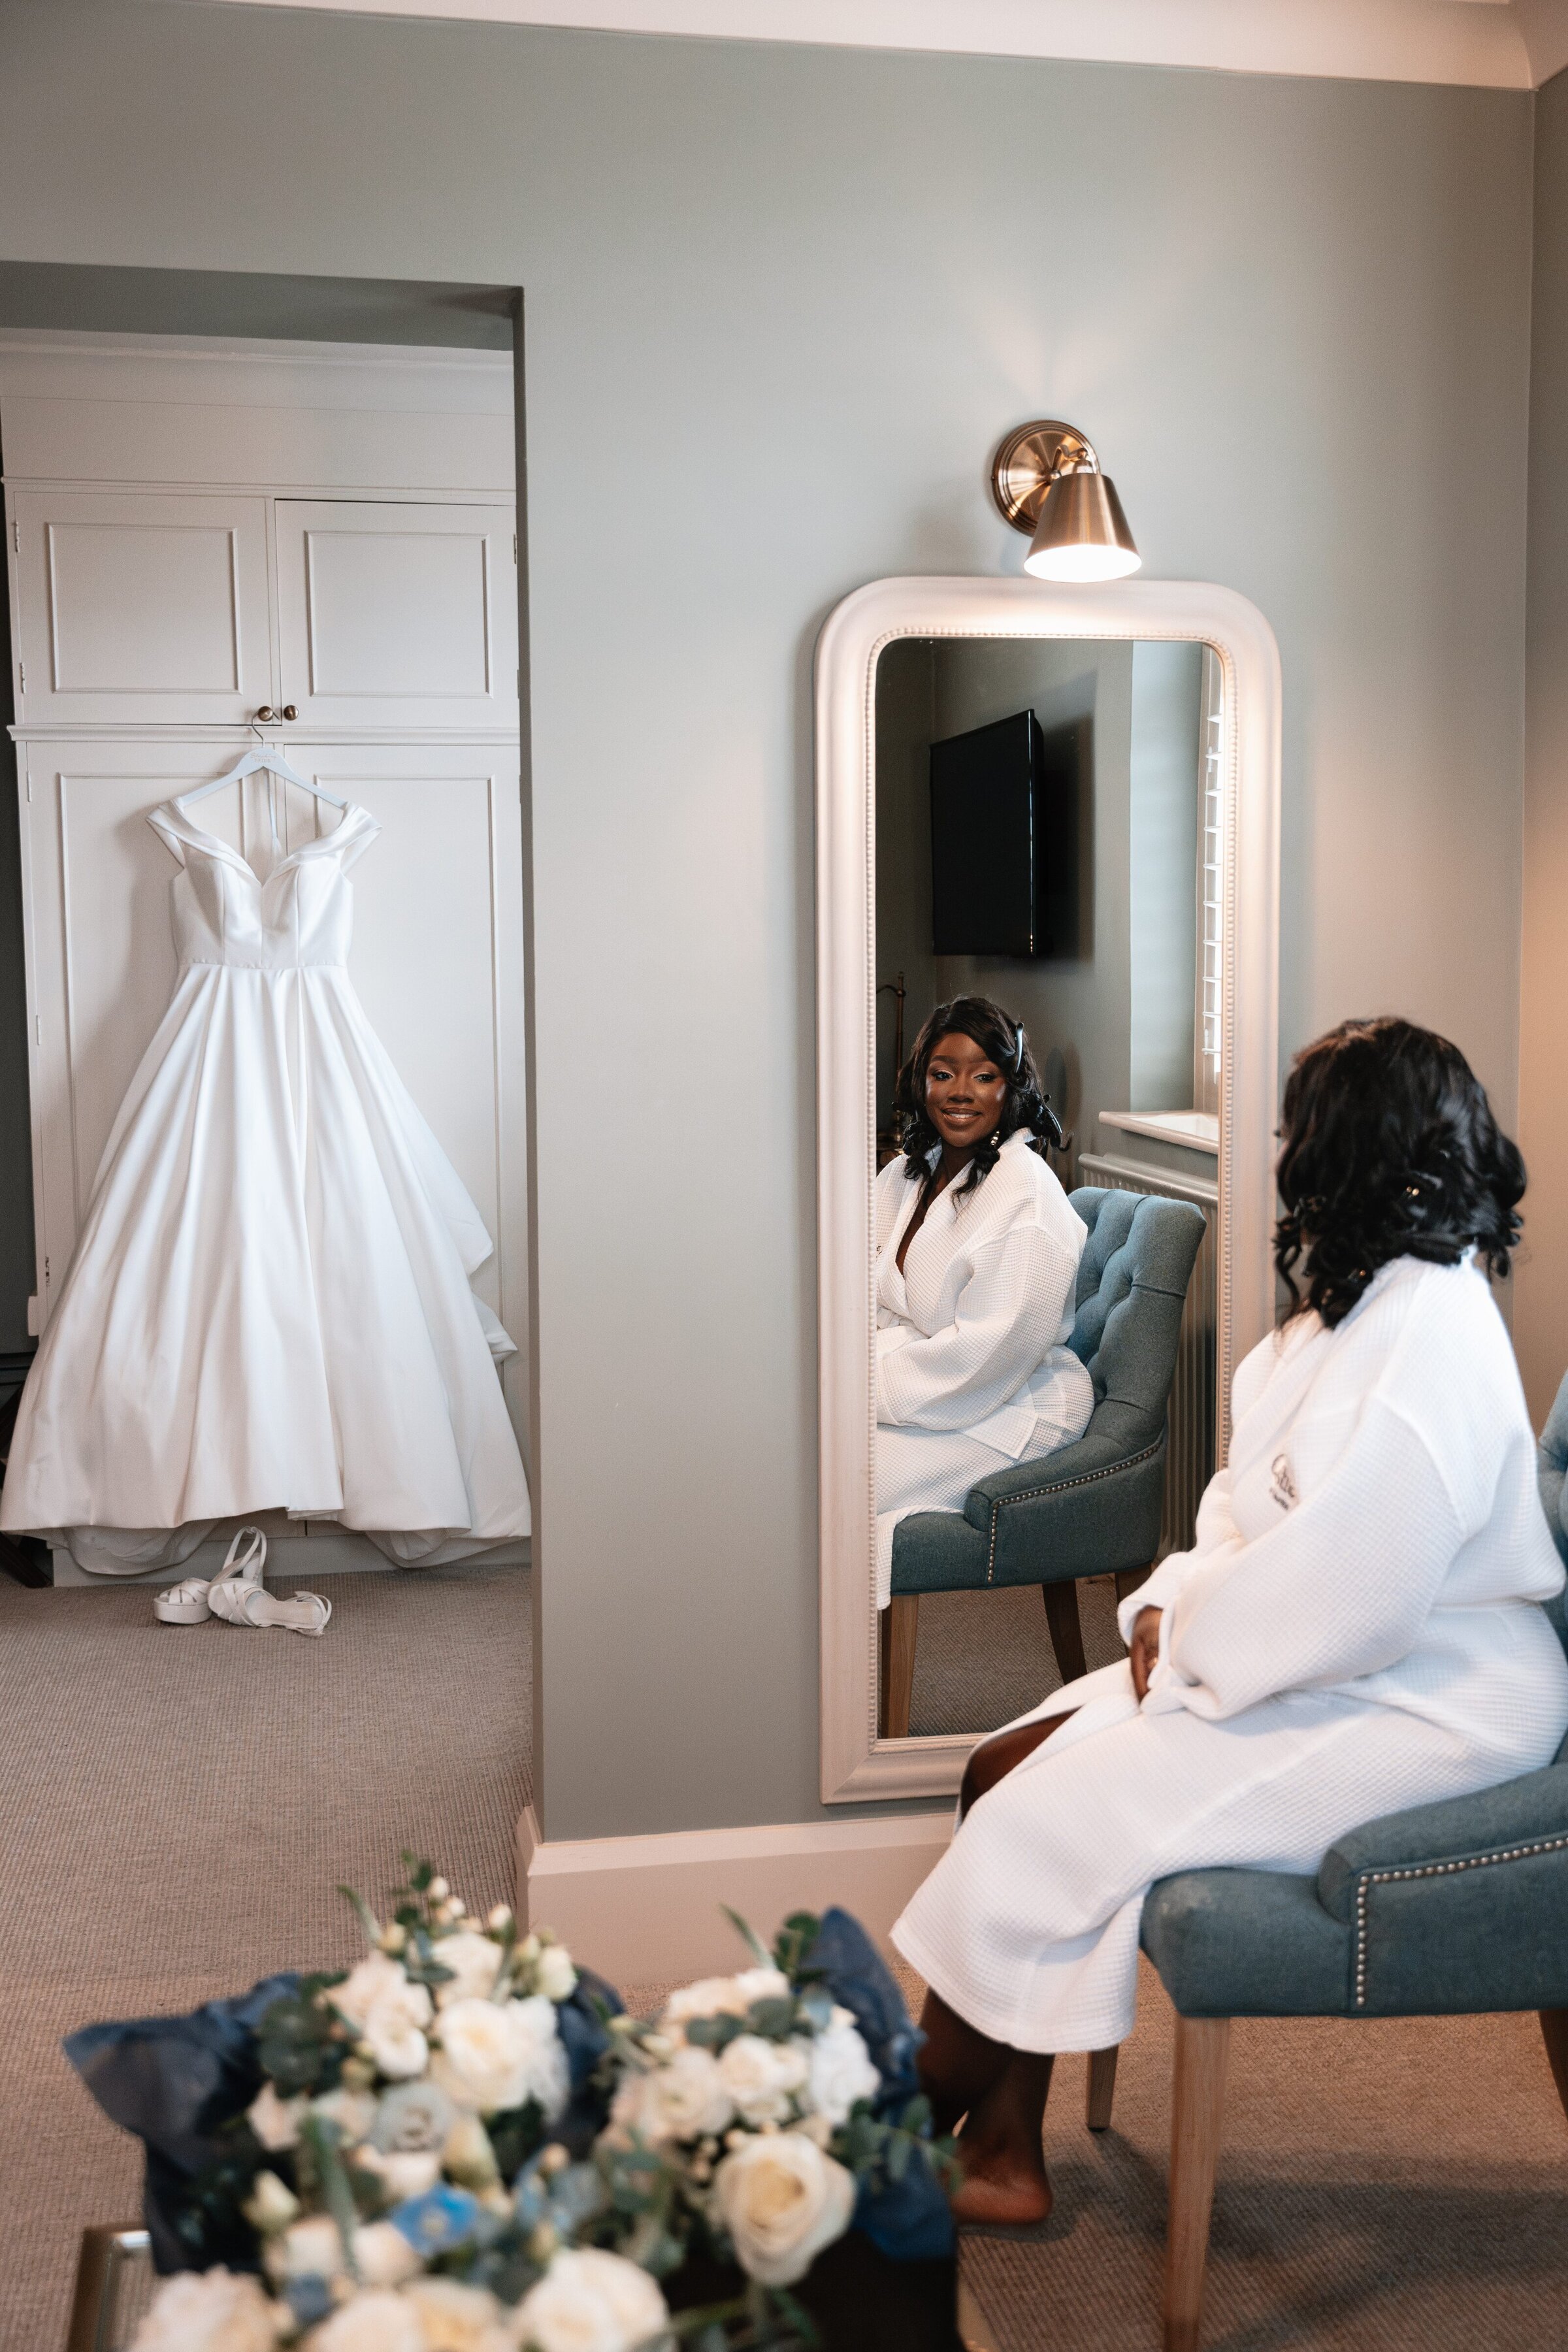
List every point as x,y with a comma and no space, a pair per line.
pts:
966,1096
1047,934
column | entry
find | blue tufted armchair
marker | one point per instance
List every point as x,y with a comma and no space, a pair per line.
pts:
1450,1909
1094,1508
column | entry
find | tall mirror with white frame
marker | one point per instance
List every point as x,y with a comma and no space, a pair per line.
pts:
1047,877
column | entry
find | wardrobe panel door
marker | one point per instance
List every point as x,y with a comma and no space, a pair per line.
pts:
100,949
140,610
437,962
398,615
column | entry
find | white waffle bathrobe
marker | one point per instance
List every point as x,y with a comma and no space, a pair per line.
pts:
971,1375
1355,1631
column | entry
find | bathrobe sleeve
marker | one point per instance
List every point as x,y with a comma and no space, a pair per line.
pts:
1339,1589
1007,1316
1214,1533
1215,1530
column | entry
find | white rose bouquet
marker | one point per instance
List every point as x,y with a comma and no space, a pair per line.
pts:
750,2118
462,2146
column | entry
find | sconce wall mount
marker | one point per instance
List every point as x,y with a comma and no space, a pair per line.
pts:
1045,480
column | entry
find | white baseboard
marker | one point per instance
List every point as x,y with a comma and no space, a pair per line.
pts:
643,1910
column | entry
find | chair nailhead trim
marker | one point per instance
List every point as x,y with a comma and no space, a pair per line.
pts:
1063,1486
1370,1878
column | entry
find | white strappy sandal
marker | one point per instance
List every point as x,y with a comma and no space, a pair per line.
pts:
241,1599
190,1601
250,1604
184,1604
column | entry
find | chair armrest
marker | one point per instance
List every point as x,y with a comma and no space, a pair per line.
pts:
1247,1943
1513,1822
1093,1509
1457,1908
1118,1436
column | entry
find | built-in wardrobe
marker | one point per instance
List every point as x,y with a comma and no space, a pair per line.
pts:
314,545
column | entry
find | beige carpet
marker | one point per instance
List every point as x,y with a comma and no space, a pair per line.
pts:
179,1805
1402,2185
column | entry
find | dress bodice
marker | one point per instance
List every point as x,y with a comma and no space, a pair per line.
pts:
300,914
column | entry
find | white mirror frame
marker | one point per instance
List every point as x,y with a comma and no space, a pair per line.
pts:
856,1763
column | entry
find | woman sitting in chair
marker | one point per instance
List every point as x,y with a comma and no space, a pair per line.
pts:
977,1253
1355,1632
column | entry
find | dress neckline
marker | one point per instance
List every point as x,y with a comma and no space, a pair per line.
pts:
215,845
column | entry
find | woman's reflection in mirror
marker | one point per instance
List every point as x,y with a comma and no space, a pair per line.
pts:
978,1258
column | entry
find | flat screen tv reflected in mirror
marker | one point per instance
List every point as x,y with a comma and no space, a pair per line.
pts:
1003,800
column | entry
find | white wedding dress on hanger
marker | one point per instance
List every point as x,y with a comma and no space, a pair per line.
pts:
268,1308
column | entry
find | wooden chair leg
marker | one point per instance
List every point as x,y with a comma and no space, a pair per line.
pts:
1066,1633
1554,2033
1101,2088
900,1620
1197,2109
1128,1579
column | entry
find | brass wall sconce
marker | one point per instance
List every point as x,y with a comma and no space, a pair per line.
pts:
1046,479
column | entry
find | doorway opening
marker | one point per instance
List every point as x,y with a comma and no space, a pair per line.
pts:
262,511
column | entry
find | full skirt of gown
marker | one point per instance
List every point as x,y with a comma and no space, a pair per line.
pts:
268,1308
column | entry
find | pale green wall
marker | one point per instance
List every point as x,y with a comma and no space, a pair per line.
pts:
1080,1004
781,304
1163,861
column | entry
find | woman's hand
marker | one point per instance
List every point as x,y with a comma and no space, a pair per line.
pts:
1144,1651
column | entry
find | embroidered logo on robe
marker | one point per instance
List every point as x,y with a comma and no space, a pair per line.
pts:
1281,1486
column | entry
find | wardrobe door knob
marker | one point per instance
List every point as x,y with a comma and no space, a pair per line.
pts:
265,712
290,711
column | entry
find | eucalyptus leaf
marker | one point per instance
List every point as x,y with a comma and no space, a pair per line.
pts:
367,1917
299,2044
795,1940
774,2017
749,1937
714,2033
324,2140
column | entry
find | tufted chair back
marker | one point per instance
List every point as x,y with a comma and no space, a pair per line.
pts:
1093,1508
1132,1286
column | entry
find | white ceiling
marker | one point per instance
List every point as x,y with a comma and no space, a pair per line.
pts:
1495,44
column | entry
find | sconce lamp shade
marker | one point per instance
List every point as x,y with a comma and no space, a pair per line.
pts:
1045,480
1082,532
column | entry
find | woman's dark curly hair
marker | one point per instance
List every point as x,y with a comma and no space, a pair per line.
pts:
1389,1149
1026,1105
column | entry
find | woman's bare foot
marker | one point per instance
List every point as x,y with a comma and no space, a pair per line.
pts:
996,2097
999,2188
1005,2176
